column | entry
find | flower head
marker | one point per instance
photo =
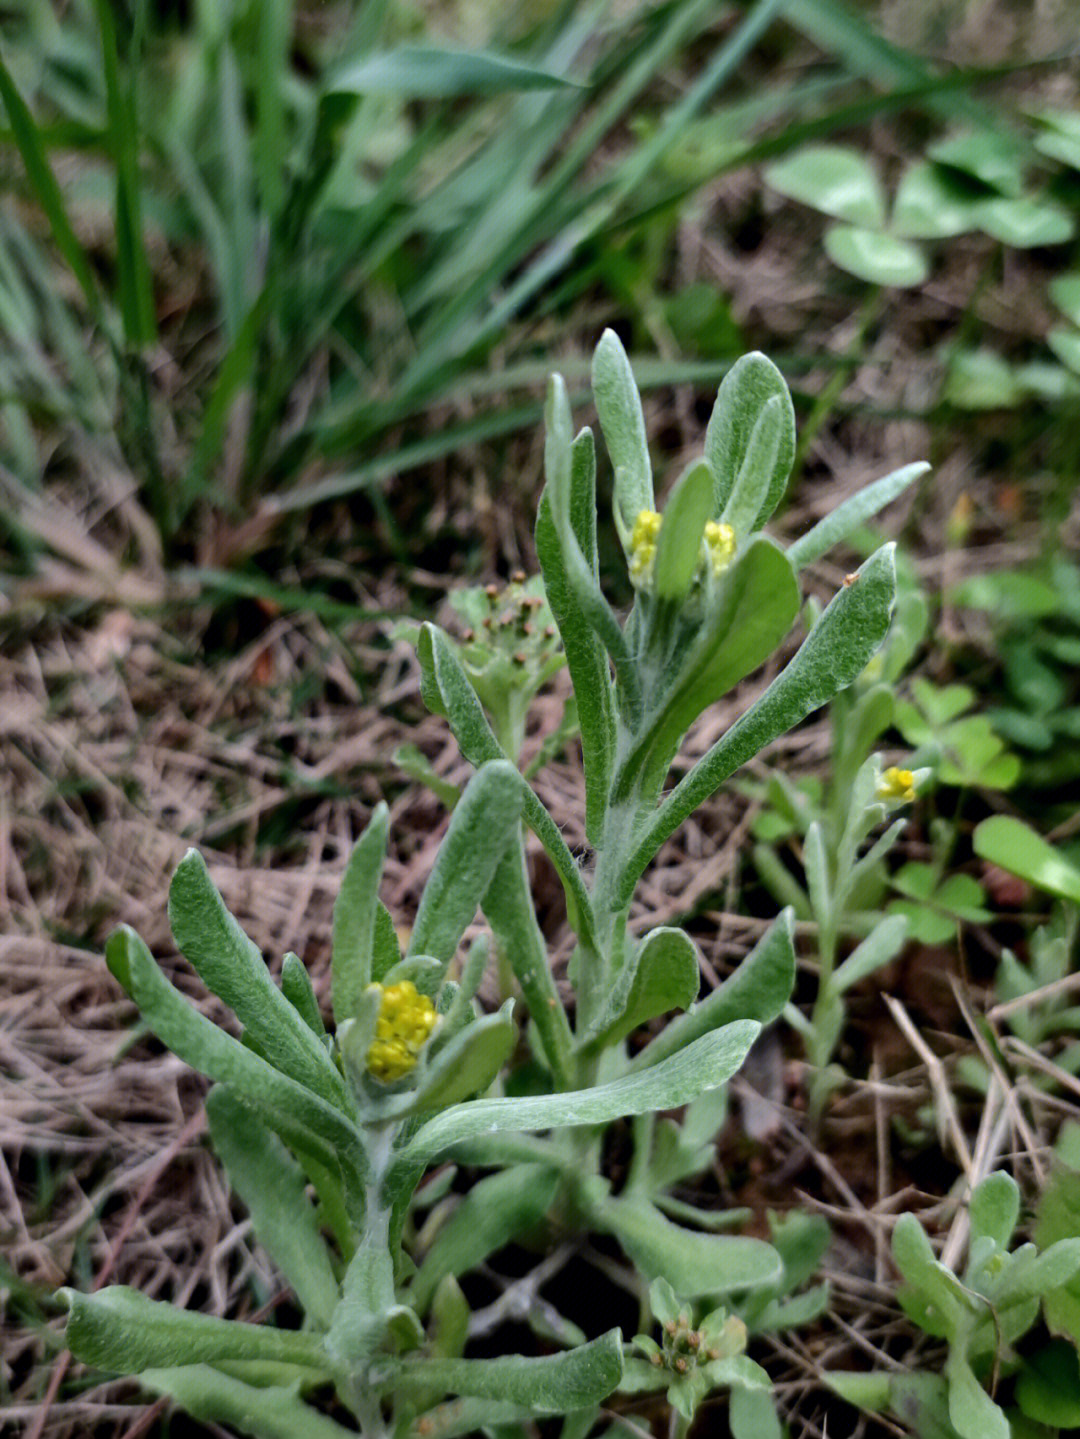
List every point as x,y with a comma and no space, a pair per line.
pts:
719,546
896,786
643,538
717,549
403,1027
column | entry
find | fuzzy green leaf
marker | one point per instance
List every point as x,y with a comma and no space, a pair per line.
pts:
482,827
470,1062
757,990
753,483
704,1064
496,1210
678,549
852,513
556,1384
622,421
691,1262
430,72
120,1330
661,975
837,649
354,916
274,1189
231,966
882,944
266,1411
742,397
995,1208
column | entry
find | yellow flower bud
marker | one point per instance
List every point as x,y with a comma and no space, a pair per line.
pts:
403,1027
643,539
719,546
896,786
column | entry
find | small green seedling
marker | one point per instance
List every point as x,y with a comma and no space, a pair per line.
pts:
980,1315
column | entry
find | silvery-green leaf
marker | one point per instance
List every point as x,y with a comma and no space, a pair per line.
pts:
274,1189
585,655
482,827
231,966
354,916
297,988
1066,346
556,1384
305,1121
874,256
622,420
973,1413
750,495
852,513
661,975
120,1330
832,179
470,1062
837,649
693,1263
704,1064
758,989
678,548
273,1411
429,71
995,1208
743,395
989,156
882,944
497,1209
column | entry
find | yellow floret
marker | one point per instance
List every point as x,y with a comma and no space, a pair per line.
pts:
643,539
719,546
897,785
403,1027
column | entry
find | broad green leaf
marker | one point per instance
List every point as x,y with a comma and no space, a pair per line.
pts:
757,601
497,1209
922,1401
995,1208
930,205
741,399
470,1062
302,1118
704,1064
758,990
556,1384
989,156
622,420
231,966
354,917
121,1330
1066,346
875,256
1027,222
447,691
467,1417
869,1391
1048,1388
691,1262
427,72
482,828
267,1411
660,976
981,380
834,180
837,649
274,1190
1065,293
678,548
1015,846
973,1413
752,1414
917,1263
882,944
585,656
1007,594
852,513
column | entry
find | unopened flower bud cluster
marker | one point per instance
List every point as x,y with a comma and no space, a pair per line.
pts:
717,548
403,1027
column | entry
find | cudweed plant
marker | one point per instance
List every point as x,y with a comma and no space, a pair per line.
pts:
326,1135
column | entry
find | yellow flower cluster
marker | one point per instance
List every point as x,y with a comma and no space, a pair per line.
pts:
719,546
897,786
643,539
403,1027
